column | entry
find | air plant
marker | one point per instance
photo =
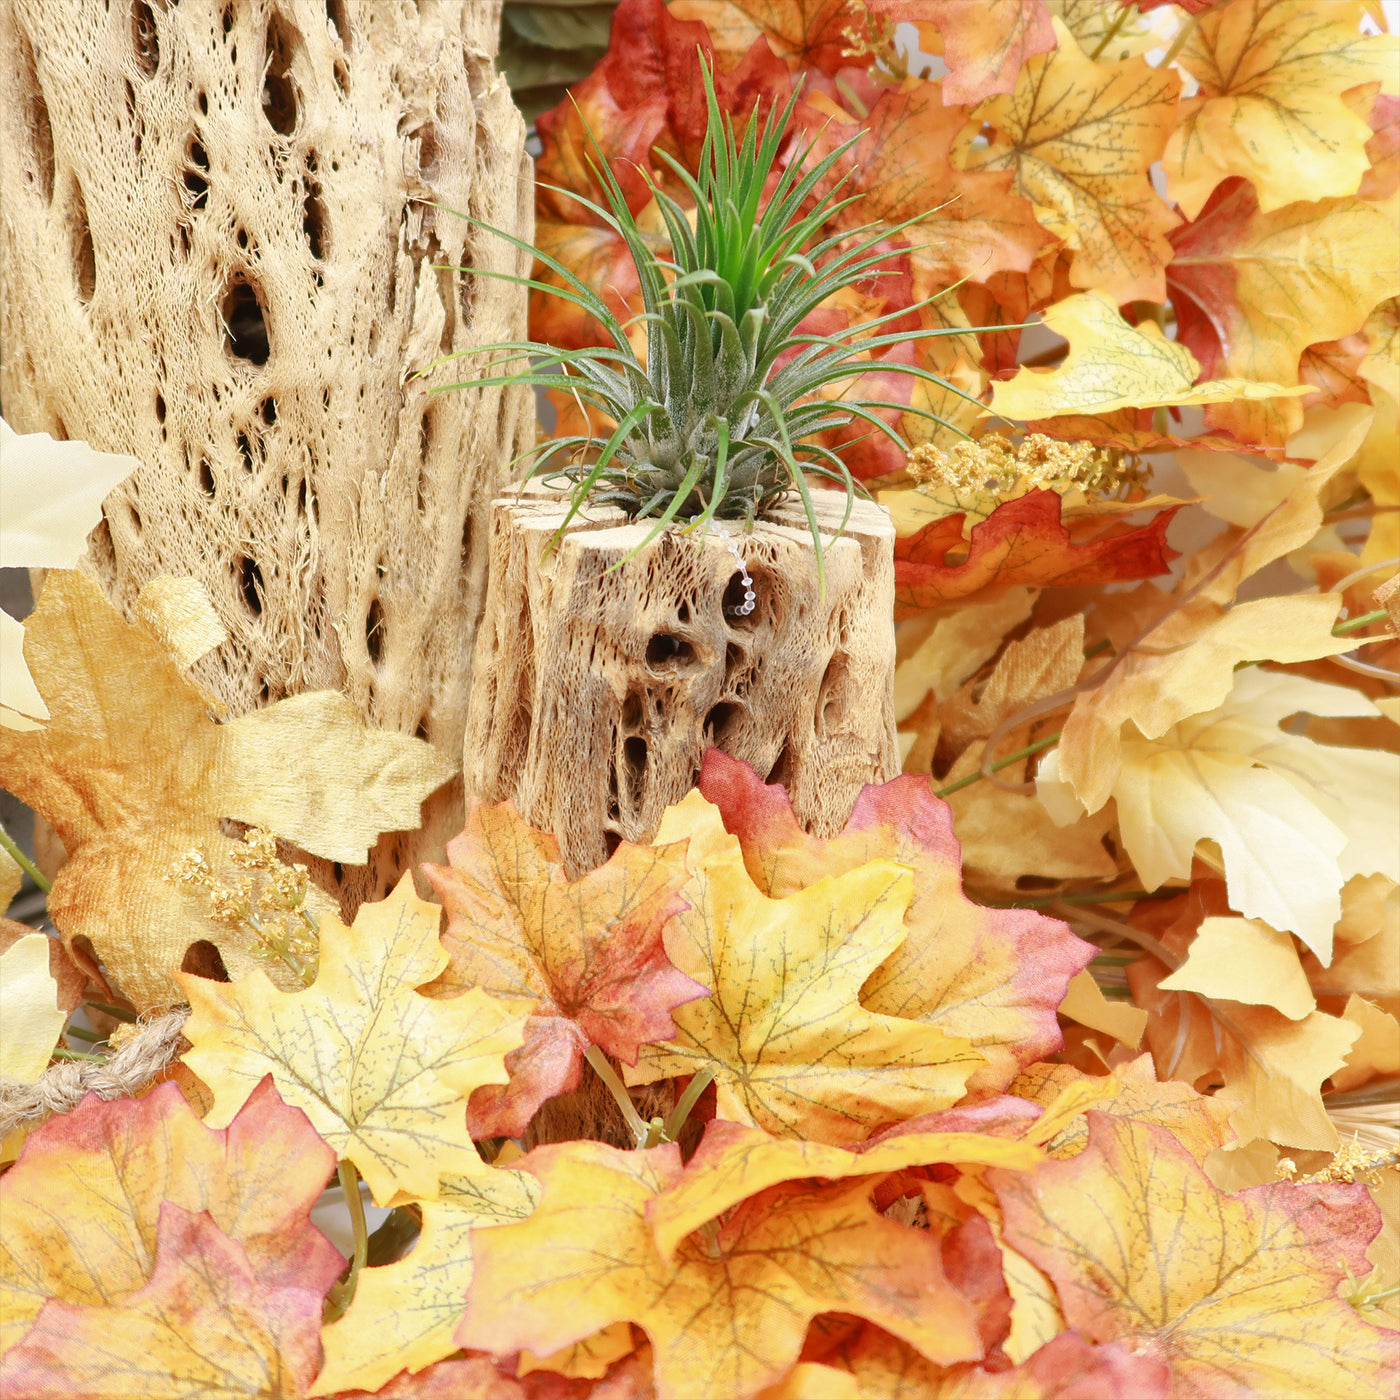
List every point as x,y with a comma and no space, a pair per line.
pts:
710,426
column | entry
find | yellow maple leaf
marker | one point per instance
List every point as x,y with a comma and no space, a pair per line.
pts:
381,1070
1294,819
1270,106
1080,137
1112,364
791,1047
133,773
1376,1051
728,1314
1238,1294
734,1162
403,1313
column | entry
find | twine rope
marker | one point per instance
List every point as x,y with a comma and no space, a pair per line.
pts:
63,1086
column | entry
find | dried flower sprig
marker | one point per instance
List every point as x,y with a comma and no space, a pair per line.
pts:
993,463
273,906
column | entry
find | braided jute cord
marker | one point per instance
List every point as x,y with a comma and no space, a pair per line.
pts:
64,1084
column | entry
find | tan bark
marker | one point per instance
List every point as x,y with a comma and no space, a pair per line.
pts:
217,256
596,690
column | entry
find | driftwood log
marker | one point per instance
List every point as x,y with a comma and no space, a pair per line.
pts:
596,690
219,254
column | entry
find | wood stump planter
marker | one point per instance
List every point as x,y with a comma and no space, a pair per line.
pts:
595,694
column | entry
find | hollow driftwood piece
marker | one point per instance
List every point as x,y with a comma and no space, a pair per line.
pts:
219,254
596,693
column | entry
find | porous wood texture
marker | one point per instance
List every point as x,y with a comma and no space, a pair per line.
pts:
596,693
217,256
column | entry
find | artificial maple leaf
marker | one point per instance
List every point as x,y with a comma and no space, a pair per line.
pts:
33,1018
728,1314
1183,661
1294,819
1199,1122
806,33
1113,365
133,773
1079,137
1238,1294
1223,945
381,1070
791,1047
985,43
1024,541
735,1161
403,1314
584,959
78,1211
204,1324
50,499
969,224
1253,290
1272,1066
1065,1368
992,976
1270,106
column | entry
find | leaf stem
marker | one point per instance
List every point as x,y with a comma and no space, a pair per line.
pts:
999,764
699,1082
62,1054
23,861
1092,897
1354,624
1109,34
618,1090
344,1292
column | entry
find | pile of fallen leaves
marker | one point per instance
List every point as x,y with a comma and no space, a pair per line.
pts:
1067,1069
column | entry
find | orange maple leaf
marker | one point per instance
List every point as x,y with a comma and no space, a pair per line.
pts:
985,43
1253,290
584,958
808,34
1024,541
728,1314
205,1324
993,976
78,1210
1080,137
1238,1294
1065,1368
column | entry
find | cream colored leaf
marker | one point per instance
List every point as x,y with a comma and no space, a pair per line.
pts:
1113,365
1376,1051
1245,960
51,497
32,1021
178,613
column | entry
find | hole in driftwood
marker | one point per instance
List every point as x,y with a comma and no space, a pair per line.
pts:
196,174
250,583
374,631
782,770
279,94
666,649
206,477
634,769
247,325
313,220
84,260
36,120
718,722
144,40
335,12
735,597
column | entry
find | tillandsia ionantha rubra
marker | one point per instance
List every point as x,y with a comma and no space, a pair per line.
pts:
717,418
